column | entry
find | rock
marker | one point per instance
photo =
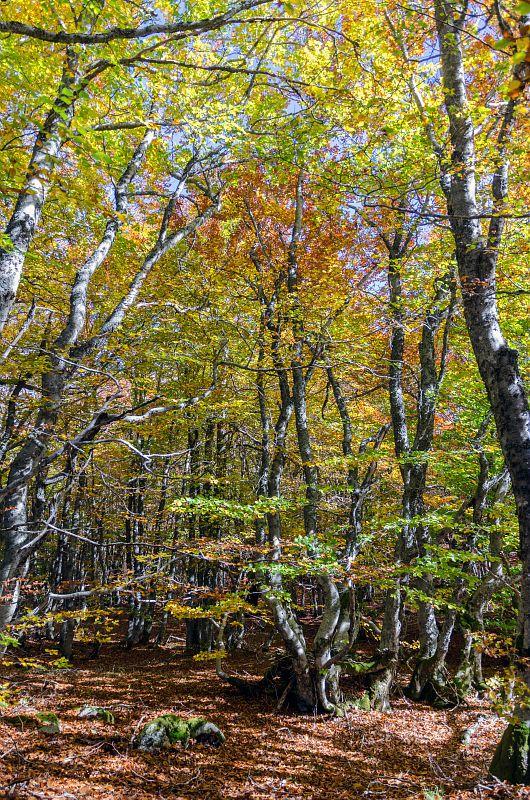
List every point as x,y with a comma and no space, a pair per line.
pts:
363,703
96,712
48,722
204,732
43,721
358,704
169,729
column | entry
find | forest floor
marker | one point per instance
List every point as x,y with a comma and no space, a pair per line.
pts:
406,754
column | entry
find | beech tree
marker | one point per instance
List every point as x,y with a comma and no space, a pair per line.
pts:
476,255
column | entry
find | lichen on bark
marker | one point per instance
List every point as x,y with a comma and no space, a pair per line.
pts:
510,762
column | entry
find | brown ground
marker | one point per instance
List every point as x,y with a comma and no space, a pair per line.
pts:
267,755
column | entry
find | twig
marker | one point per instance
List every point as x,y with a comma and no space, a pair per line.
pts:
184,783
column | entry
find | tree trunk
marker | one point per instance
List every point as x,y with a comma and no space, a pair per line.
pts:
476,256
25,218
429,681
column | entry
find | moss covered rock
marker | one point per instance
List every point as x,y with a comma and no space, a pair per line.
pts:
48,722
43,721
96,712
363,702
510,762
169,729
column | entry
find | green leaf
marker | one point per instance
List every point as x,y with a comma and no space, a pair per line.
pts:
501,44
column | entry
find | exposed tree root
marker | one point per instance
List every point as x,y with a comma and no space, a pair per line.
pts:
430,684
285,684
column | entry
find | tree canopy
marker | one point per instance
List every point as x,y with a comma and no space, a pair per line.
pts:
264,319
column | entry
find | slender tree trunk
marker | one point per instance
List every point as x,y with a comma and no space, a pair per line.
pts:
413,535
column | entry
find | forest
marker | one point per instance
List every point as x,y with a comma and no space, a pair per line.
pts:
264,432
